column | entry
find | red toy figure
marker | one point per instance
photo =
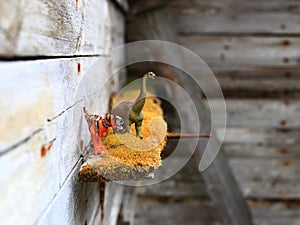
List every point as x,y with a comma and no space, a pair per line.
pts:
98,127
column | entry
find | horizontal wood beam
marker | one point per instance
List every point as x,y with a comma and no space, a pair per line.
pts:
55,28
232,17
279,114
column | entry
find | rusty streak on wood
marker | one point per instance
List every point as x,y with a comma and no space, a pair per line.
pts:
77,5
46,148
78,68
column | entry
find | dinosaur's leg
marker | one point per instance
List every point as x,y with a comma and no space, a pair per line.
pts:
100,147
138,126
95,136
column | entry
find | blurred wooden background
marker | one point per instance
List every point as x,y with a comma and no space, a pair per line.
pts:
252,48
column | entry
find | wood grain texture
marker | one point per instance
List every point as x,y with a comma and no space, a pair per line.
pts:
112,202
260,136
33,163
280,114
252,88
275,213
236,17
30,94
267,178
261,143
29,182
265,161
186,183
54,28
254,51
257,82
129,205
34,170
258,73
75,203
176,213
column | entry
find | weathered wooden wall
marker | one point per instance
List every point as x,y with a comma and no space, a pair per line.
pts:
46,49
252,48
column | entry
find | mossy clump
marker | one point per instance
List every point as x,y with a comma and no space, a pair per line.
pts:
129,157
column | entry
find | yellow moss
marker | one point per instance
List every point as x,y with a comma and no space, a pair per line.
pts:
128,149
128,157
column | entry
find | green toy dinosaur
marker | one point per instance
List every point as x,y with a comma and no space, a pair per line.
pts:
131,112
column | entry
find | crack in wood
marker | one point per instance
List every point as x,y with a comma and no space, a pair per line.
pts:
62,112
21,142
45,57
75,167
26,139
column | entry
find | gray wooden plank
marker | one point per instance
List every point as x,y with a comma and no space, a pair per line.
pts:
269,113
38,166
112,202
260,136
75,203
280,151
129,205
264,161
186,183
261,143
253,4
39,86
250,17
28,182
171,188
252,88
190,213
32,162
54,28
255,51
267,178
275,213
97,219
253,72
43,85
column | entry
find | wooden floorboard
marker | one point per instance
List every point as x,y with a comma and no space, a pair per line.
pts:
190,213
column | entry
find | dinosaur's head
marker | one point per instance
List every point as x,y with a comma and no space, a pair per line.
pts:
118,124
150,75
